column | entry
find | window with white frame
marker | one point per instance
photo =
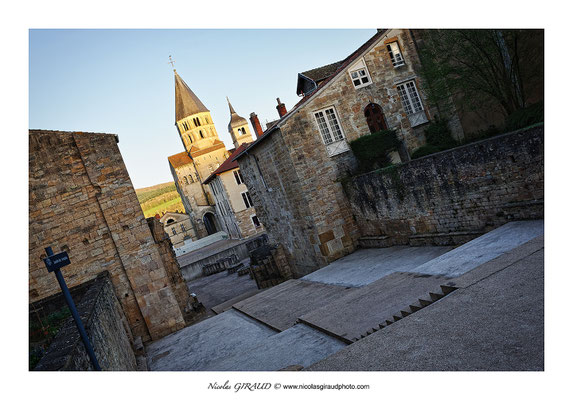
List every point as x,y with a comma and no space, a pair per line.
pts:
247,199
256,221
395,54
329,125
238,177
360,78
412,103
359,74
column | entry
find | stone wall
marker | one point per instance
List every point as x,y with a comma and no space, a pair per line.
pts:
277,193
192,268
171,266
106,327
81,200
458,193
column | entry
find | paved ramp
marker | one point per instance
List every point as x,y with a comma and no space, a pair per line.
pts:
365,266
368,308
280,306
198,347
298,345
483,249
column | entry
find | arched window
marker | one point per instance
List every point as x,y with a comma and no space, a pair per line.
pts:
375,118
201,134
190,138
190,179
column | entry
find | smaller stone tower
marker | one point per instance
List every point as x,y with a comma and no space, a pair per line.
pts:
238,128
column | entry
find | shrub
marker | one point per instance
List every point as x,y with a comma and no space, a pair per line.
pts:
438,134
372,150
425,150
524,117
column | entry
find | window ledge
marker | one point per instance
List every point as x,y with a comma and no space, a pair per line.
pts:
338,147
361,86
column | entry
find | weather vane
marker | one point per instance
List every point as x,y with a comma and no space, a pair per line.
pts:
172,62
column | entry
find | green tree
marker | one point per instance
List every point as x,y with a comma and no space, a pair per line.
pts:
480,68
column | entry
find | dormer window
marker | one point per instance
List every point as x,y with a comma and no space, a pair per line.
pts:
359,74
395,54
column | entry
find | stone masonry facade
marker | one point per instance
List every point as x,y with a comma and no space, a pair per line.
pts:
294,182
467,190
171,265
82,201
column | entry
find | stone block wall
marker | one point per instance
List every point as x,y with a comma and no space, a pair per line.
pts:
82,201
245,223
277,193
453,194
106,327
171,265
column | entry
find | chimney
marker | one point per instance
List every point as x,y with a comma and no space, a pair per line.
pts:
281,108
256,124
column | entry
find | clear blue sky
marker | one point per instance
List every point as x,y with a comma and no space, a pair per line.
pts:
119,81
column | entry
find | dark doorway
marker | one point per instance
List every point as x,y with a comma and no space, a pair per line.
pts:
375,118
209,221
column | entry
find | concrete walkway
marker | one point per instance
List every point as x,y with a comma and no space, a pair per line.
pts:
482,249
366,308
198,347
365,266
299,345
495,323
216,289
280,306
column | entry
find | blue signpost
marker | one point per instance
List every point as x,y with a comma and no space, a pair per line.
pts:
53,263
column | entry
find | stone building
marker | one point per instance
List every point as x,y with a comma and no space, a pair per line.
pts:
294,170
178,227
81,200
233,201
204,153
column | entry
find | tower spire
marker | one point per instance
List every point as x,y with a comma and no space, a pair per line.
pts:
186,102
231,109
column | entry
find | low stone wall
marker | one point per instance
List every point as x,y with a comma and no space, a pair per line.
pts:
107,329
455,195
241,250
192,245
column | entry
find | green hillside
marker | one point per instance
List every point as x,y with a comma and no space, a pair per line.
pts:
159,199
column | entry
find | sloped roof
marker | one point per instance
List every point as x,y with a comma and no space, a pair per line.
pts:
186,102
321,73
341,66
217,144
229,163
179,159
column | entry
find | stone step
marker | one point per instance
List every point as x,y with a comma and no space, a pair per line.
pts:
280,306
374,306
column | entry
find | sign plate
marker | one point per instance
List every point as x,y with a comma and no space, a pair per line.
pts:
57,261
